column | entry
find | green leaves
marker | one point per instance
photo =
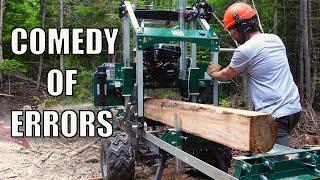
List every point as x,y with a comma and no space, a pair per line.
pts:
82,91
20,14
12,66
82,10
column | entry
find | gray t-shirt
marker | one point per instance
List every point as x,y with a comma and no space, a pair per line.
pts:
264,62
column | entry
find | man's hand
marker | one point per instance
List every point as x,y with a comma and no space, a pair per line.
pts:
213,68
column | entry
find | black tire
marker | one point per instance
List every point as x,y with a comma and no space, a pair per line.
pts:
118,157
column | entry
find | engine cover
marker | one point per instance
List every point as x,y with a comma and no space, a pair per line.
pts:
162,62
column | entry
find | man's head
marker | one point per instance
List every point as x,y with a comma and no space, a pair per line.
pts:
241,20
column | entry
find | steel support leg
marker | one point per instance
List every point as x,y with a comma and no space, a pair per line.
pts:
139,81
177,127
183,67
215,59
161,166
194,98
126,41
200,165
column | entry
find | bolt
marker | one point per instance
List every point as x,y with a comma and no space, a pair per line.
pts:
245,168
183,137
267,164
308,157
134,127
263,177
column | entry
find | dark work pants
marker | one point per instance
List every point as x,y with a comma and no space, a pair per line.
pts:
285,126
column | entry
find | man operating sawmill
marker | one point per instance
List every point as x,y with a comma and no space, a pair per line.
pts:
263,60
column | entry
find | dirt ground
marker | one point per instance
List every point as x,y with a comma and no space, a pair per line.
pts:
47,158
51,158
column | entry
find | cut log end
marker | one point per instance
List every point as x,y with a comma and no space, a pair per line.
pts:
263,133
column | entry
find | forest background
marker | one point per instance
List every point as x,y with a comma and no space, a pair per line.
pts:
297,22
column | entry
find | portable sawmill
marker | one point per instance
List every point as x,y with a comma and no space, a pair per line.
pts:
201,134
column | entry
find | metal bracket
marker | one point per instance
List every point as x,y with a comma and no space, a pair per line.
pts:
202,166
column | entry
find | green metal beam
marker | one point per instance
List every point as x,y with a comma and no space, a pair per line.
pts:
151,36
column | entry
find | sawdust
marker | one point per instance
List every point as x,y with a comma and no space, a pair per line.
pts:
48,159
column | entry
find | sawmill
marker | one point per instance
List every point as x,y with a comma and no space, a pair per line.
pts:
194,130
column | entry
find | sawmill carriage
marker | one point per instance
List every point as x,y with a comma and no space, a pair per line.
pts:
160,61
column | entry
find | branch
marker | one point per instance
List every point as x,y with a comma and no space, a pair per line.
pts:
28,79
254,6
8,95
82,149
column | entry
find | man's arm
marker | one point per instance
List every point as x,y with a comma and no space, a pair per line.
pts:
225,74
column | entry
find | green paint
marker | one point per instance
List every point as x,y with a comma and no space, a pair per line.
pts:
151,36
173,137
298,165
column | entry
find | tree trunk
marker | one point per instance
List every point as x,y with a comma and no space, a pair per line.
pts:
275,17
2,7
255,8
42,20
301,59
61,26
306,51
9,83
113,57
247,99
93,63
312,54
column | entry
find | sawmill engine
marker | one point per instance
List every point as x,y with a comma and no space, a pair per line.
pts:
162,63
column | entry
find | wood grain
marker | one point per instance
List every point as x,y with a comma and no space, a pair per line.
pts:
239,129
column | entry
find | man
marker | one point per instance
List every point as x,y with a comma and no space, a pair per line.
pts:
263,60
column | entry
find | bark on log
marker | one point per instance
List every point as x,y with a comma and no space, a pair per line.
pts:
239,129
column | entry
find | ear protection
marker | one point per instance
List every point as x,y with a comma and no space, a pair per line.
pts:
242,25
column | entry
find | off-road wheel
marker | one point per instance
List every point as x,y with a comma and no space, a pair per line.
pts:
118,156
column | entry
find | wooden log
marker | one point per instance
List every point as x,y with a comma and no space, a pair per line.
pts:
239,129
